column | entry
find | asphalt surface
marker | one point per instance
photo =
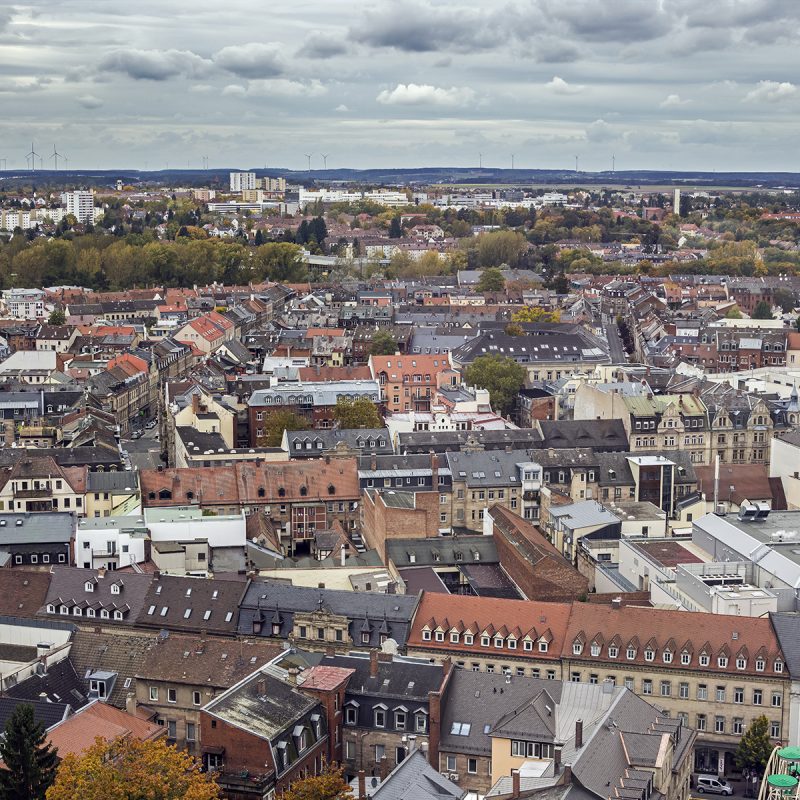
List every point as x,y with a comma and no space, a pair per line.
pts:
144,453
615,348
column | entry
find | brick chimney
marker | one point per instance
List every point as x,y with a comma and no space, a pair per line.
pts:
514,783
434,470
384,769
195,403
373,663
362,785
578,733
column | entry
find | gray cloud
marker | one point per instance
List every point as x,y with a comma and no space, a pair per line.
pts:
321,45
89,101
154,65
252,60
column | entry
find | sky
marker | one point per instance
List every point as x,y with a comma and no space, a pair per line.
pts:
655,84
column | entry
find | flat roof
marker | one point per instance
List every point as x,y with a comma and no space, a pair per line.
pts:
668,552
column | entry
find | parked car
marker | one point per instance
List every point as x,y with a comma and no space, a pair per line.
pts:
713,784
151,424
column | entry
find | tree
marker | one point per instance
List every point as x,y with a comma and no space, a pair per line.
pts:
501,247
536,314
276,422
57,317
785,299
734,313
358,413
395,231
763,310
514,329
501,375
129,769
29,759
755,746
491,280
383,344
328,785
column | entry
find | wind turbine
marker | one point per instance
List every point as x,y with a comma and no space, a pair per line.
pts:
3,164
512,161
325,159
480,160
31,158
576,163
56,155
308,156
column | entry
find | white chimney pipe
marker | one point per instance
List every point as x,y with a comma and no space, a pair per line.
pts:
343,555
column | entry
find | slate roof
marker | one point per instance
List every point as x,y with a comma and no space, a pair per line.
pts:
187,604
367,611
440,441
415,778
47,713
313,443
443,551
601,435
68,587
60,684
787,628
34,528
23,592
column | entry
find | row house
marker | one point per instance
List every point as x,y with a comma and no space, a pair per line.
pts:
40,484
126,389
716,677
313,401
408,383
206,333
300,497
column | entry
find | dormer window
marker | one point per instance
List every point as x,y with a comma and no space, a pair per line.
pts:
117,614
649,654
498,641
778,665
613,651
115,588
760,664
89,586
484,641
439,636
454,637
741,663
577,648
705,660
76,612
104,613
303,491
469,638
543,646
667,656
63,610
630,653
722,661
595,649
426,636
331,489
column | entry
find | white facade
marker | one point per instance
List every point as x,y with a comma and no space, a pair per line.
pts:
110,542
242,180
187,524
80,204
25,303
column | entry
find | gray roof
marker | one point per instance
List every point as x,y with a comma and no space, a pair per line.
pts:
60,684
366,610
606,434
489,468
415,779
439,441
116,481
444,550
311,443
583,514
39,527
320,394
787,629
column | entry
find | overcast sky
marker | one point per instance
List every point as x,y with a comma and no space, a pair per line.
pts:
660,84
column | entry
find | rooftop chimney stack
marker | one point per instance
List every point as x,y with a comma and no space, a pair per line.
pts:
515,783
373,663
362,785
578,734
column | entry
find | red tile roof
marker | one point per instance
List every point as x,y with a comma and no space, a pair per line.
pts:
325,678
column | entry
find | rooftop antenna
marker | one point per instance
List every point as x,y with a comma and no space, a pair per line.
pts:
31,159
325,159
308,156
56,155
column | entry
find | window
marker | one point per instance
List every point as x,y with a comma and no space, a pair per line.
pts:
468,638
647,686
719,724
760,665
420,723
154,693
613,651
720,694
484,641
702,692
757,697
196,699
704,660
191,732
738,695
350,715
683,691
380,718
777,699
666,688
172,729
593,678
649,654
472,766
575,676
738,726
722,662
542,647
778,666
630,653
667,657
451,763
741,663
426,636
400,720
701,722
595,649
629,683
775,730
577,648
349,749
172,696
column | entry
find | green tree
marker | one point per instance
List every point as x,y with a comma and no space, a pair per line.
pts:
536,314
383,344
514,329
57,317
395,231
491,280
358,413
734,313
785,299
763,310
755,746
501,247
328,785
276,422
30,760
501,375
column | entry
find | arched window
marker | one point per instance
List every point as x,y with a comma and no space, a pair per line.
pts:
331,489
281,492
303,491
261,491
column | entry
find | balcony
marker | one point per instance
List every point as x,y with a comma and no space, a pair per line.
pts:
31,493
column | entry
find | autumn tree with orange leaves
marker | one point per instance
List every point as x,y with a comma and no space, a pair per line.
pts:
130,769
328,785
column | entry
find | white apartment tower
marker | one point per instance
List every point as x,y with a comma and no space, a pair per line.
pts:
80,204
242,180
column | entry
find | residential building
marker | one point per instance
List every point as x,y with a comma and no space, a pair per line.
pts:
36,539
241,181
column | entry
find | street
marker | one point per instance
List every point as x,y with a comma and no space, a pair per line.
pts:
144,453
615,348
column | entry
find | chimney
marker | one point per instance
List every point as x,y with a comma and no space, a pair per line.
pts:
195,404
261,687
557,759
101,572
343,555
514,783
567,779
321,585
130,703
362,785
373,663
384,769
373,462
434,471
616,602
578,734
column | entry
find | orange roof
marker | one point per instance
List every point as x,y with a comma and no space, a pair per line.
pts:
312,332
479,615
77,733
409,364
677,631
793,341
358,372
110,330
325,678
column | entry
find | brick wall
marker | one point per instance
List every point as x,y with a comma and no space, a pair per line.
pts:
380,522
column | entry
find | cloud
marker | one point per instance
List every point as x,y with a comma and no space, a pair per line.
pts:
413,94
560,86
252,60
321,45
555,51
341,109
282,87
621,21
154,65
234,90
89,101
770,92
673,101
